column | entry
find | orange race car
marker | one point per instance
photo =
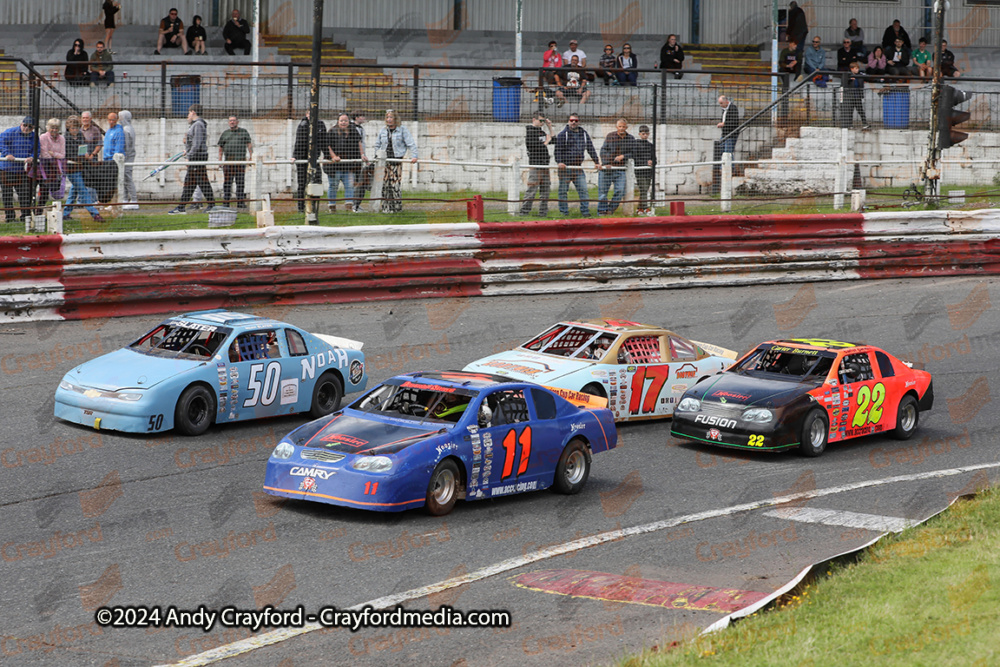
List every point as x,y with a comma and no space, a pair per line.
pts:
805,393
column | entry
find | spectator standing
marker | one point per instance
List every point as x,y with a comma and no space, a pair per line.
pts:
114,143
572,145
196,150
672,56
730,121
343,143
815,60
948,61
607,62
300,153
536,142
171,33
645,160
898,59
235,145
798,28
894,32
77,75
235,33
923,61
628,62
396,140
52,151
847,54
876,62
109,9
854,95
76,151
101,69
365,172
618,149
552,60
196,36
856,35
93,135
577,86
17,142
131,198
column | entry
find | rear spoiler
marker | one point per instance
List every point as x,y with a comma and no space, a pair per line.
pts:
578,398
337,341
716,350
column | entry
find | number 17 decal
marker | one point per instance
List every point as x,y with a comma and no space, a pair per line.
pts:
658,375
510,442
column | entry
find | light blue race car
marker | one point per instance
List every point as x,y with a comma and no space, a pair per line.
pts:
211,366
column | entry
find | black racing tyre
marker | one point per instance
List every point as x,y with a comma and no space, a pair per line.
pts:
907,418
327,394
814,434
594,389
442,491
195,410
573,468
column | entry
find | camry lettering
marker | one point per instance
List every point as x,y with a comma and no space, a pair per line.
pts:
713,420
299,471
336,357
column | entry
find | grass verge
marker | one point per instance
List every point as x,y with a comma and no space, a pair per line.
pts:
928,596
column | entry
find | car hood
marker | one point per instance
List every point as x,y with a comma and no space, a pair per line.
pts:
528,366
127,369
733,389
355,433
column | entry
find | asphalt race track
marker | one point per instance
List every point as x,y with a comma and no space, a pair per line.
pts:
93,519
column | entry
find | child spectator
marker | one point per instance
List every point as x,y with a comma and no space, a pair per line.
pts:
854,95
644,155
608,61
196,36
551,60
923,62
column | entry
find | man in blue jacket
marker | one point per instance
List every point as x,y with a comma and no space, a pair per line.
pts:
572,145
17,142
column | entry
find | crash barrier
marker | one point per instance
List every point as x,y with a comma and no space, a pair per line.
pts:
105,275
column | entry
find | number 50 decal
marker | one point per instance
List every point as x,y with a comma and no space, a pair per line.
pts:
658,375
266,393
510,442
869,405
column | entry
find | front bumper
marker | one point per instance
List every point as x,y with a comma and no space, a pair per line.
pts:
344,486
112,414
757,437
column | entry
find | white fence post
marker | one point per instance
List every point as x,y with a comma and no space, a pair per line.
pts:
258,183
629,208
839,182
514,188
726,192
119,159
375,199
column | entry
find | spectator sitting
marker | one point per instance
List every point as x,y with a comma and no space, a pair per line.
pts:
171,33
856,35
923,60
101,69
196,36
815,60
568,54
846,55
672,56
876,62
894,32
788,62
577,85
608,61
948,61
630,62
899,59
235,33
77,75
551,60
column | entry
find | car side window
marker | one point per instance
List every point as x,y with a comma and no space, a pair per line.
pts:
545,404
255,345
296,344
855,368
884,365
639,350
509,407
681,350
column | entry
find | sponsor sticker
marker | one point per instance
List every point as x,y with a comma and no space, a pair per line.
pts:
357,371
289,391
321,473
686,371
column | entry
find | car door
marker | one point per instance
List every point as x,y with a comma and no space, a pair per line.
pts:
864,398
509,457
642,388
263,379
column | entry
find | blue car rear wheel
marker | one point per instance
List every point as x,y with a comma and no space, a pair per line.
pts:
327,395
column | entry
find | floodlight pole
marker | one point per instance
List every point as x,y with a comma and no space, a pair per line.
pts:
518,38
312,204
255,46
931,171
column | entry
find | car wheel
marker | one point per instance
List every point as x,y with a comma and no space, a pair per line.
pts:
812,439
907,418
573,468
195,410
326,395
594,389
442,491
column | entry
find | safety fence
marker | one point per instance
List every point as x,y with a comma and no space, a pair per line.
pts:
106,275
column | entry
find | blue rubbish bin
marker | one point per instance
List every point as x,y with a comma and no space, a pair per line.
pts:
506,99
184,91
896,108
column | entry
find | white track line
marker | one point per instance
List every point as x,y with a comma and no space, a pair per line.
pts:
875,522
389,601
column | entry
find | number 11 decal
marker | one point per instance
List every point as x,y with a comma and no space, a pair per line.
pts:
509,445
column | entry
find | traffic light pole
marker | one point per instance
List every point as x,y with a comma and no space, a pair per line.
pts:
931,171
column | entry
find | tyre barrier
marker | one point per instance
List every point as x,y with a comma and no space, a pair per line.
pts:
116,274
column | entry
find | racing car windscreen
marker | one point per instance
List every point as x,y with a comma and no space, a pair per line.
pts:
564,340
415,401
783,362
182,340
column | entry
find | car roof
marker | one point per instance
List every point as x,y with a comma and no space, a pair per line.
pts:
619,326
822,344
464,379
226,318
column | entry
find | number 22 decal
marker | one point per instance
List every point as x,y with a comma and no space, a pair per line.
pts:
658,374
510,442
869,405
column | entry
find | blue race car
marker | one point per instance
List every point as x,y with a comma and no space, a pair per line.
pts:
211,366
433,438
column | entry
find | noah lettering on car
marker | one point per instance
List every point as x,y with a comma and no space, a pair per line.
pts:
331,357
